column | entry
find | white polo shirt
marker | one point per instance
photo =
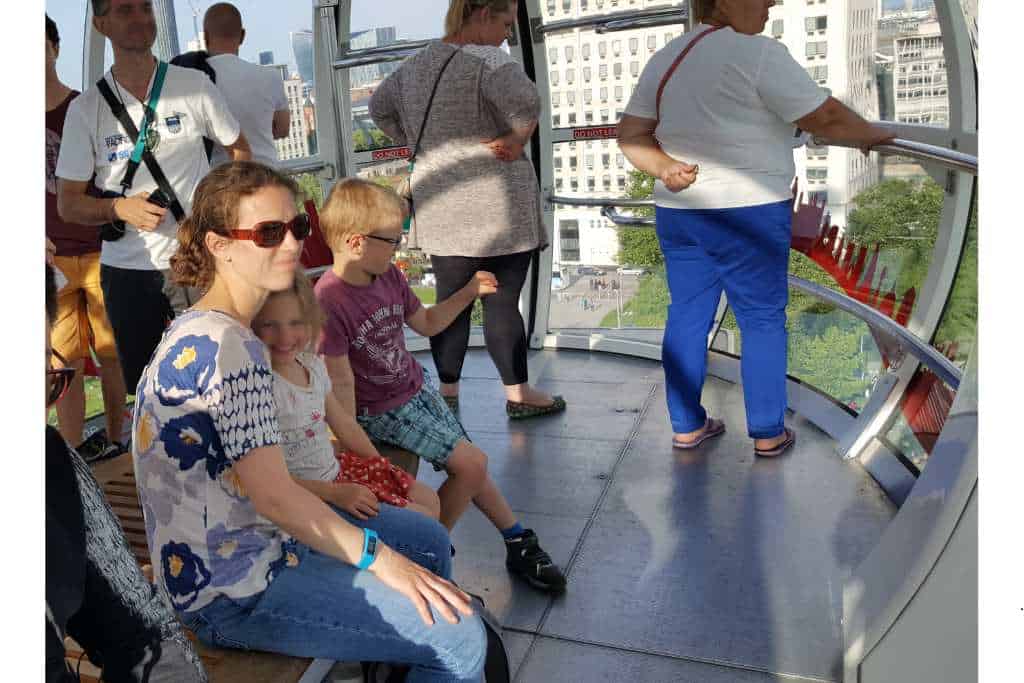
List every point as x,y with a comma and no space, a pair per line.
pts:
190,107
730,108
253,93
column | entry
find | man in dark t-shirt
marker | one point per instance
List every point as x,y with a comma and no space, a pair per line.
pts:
81,322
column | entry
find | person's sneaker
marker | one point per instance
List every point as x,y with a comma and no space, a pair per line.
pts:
98,448
528,560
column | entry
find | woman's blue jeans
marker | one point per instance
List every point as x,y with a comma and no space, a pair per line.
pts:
745,252
327,608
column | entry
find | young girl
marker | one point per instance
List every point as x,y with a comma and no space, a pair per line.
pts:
356,472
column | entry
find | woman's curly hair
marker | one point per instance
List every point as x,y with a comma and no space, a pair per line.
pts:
215,209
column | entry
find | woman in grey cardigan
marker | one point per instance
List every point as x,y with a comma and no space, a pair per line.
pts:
477,204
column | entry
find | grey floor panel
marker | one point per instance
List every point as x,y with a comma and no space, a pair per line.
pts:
516,644
545,475
555,660
725,557
480,564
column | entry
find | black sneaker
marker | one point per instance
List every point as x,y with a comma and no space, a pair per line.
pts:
528,560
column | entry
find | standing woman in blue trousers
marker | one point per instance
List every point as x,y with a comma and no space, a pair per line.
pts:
712,119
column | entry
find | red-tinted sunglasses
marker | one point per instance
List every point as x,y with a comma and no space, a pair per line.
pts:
269,234
60,380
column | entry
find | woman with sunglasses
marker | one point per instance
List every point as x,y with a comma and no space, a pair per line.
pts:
248,557
95,591
475,197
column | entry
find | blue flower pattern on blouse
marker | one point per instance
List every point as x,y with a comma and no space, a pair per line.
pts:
204,401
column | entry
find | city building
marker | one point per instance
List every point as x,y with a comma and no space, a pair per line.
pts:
836,43
371,73
921,84
266,58
166,30
296,145
302,49
591,77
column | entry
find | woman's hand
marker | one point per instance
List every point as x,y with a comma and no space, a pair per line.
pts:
421,586
356,500
678,176
882,136
508,147
483,283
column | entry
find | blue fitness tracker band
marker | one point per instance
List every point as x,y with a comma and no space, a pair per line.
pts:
370,542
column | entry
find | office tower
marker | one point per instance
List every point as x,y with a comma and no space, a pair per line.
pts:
591,77
166,30
302,48
266,58
296,144
371,73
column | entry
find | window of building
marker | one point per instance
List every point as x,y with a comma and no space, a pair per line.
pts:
620,160
816,23
668,37
604,116
572,118
616,47
586,74
602,71
570,51
574,184
552,55
777,27
604,94
634,45
558,184
618,93
606,160
617,69
817,48
555,97
602,49
634,69
551,6
590,184
556,120
652,42
589,160
588,96
621,182
570,76
554,77
570,98
588,117
585,51
573,162
818,73
558,163
817,174
566,5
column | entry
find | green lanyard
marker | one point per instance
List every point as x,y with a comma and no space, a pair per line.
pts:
150,109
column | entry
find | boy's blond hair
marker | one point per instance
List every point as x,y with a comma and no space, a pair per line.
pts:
312,315
356,206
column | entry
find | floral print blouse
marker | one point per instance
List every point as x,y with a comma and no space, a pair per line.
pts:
204,401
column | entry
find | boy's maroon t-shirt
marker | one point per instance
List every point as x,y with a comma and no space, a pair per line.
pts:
367,325
71,239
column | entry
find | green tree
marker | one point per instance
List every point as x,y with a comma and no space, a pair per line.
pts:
309,183
639,246
831,362
359,141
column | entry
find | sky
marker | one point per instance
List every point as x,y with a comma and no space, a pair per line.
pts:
266,30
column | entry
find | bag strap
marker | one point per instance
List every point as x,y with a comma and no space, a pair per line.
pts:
675,65
430,103
142,153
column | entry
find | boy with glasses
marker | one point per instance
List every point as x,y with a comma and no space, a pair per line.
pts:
367,302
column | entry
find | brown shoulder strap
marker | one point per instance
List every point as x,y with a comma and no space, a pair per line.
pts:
675,65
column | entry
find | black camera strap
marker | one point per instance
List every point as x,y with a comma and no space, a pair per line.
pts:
119,111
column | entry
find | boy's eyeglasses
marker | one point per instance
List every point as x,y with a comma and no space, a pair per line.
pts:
395,243
269,234
59,380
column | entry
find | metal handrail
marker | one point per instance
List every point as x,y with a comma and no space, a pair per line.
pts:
957,161
625,202
393,52
314,166
932,359
623,220
619,21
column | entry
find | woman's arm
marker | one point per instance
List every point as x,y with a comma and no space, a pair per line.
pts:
276,496
384,109
638,144
836,122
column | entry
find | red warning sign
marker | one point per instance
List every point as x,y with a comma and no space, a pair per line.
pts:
390,153
594,133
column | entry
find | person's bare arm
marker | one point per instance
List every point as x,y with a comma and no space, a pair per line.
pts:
430,321
239,149
343,382
282,124
509,147
638,144
836,122
276,496
355,499
76,206
347,429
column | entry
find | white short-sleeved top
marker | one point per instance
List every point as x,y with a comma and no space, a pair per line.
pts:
301,413
94,142
253,93
205,400
730,108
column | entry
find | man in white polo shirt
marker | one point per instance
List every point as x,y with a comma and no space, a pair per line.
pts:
134,272
254,93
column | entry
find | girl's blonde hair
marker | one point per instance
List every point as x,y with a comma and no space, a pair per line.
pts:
356,206
459,12
310,310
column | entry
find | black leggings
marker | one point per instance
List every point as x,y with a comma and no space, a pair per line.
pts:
504,331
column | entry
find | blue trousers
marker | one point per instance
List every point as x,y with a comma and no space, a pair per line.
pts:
745,252
327,608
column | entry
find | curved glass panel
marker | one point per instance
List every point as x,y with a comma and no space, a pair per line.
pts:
70,20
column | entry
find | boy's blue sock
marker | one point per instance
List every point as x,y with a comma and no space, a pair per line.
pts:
513,531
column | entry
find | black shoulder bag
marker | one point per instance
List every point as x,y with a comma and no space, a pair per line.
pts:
142,153
406,188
